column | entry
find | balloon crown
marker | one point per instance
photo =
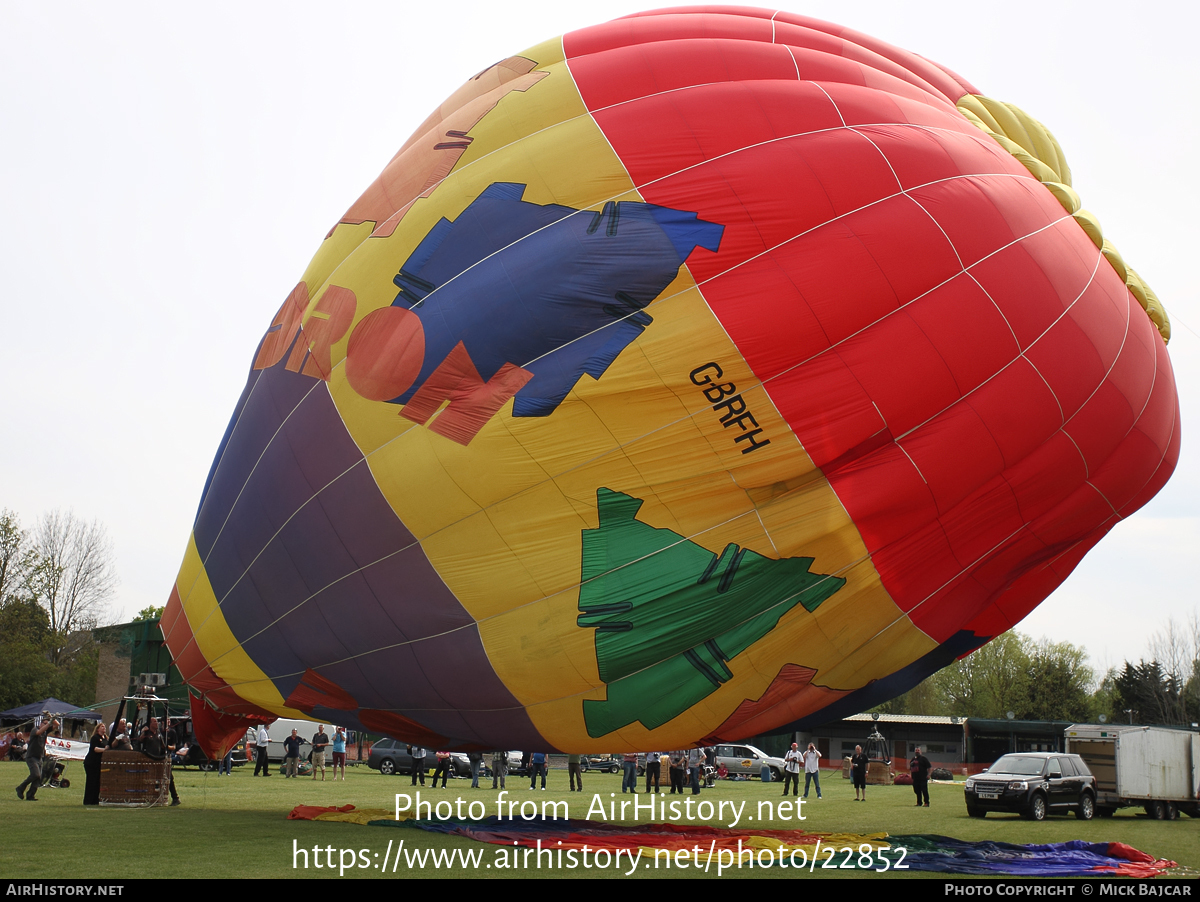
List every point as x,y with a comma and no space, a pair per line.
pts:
1038,151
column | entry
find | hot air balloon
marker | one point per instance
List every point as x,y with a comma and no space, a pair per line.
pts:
682,378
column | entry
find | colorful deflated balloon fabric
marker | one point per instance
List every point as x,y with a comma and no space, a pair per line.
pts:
681,378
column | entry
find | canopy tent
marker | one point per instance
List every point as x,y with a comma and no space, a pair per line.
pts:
52,706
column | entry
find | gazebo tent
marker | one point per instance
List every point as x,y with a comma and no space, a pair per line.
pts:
53,706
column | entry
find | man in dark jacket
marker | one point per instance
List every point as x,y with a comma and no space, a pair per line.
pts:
919,768
27,790
291,755
858,772
160,748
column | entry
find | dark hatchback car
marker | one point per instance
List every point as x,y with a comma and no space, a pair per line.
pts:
1034,784
391,756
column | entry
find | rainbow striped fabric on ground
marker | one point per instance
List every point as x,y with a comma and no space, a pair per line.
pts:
917,851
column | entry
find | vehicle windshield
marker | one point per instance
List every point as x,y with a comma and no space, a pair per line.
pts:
1018,764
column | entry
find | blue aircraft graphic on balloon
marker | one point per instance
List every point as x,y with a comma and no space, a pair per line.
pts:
519,300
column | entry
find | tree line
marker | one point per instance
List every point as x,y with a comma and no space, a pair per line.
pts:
56,582
1045,680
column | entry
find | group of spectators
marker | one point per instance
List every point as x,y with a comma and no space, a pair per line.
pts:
680,763
321,743
158,744
810,761
442,769
152,741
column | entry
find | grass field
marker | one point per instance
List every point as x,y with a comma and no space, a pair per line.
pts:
236,826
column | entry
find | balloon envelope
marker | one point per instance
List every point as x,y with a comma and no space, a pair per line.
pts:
681,378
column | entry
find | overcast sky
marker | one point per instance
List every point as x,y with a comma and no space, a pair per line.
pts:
166,172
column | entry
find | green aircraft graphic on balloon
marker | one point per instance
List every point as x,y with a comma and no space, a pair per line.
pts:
670,615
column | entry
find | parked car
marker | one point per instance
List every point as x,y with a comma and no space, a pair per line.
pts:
391,756
515,768
1033,784
748,761
195,757
602,763
613,764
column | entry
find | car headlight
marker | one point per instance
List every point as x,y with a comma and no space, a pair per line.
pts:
971,783
1021,785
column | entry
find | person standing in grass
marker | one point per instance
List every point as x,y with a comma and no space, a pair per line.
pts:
418,765
695,759
812,769
291,753
629,779
91,764
678,769
476,759
261,740
653,770
339,752
320,742
791,769
575,771
858,773
499,768
919,768
537,765
443,768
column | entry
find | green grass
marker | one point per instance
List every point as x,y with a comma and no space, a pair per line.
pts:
236,826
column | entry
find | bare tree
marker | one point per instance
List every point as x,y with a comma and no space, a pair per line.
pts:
14,554
73,573
1176,648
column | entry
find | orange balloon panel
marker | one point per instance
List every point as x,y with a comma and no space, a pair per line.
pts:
682,378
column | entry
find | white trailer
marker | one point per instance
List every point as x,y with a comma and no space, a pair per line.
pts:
1155,768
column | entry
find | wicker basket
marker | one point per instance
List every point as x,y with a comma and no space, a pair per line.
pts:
131,780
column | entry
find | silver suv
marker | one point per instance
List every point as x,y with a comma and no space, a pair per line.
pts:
748,760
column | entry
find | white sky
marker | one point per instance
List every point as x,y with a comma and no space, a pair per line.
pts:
166,173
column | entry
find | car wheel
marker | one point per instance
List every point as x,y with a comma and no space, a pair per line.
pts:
1172,812
776,775
1157,810
1037,807
1087,807
972,811
387,766
208,766
613,769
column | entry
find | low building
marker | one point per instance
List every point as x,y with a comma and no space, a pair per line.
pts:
959,744
942,738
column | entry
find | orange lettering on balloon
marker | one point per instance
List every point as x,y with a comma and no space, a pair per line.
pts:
385,353
284,328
